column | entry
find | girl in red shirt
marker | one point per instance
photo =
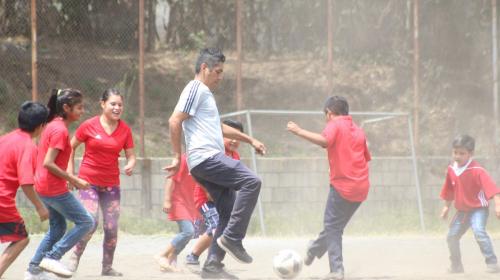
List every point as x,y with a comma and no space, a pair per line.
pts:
104,136
17,167
51,184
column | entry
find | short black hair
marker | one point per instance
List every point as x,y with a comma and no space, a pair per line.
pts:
31,115
234,124
209,56
464,141
337,105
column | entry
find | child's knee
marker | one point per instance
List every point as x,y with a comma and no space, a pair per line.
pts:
23,242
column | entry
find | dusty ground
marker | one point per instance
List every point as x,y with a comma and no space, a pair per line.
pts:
406,257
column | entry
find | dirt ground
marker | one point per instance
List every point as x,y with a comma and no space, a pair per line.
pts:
374,258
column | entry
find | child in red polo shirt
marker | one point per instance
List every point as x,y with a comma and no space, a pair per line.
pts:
179,205
470,186
17,168
348,157
206,207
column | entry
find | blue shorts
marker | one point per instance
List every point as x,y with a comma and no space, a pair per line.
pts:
210,216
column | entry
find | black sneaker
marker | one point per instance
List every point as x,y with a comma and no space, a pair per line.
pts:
339,275
235,250
455,269
308,260
214,270
492,268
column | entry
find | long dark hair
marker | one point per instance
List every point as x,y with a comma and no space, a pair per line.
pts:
60,97
110,91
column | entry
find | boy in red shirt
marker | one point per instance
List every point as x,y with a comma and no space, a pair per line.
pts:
17,166
206,206
179,205
470,186
348,157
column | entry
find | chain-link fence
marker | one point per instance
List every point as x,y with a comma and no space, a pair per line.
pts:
93,45
285,48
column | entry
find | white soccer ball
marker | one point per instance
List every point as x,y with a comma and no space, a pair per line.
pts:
287,264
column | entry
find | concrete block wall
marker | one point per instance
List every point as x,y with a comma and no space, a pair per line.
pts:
301,185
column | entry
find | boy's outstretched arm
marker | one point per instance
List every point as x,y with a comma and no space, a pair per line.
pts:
235,134
312,137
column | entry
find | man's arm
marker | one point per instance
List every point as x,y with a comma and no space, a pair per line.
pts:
175,128
230,132
312,137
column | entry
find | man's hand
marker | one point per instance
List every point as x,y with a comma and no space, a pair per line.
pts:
173,167
444,212
293,127
259,147
43,213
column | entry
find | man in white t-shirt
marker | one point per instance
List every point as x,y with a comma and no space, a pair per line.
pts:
197,116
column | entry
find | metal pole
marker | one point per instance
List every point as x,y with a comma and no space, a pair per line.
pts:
239,88
146,163
141,76
494,54
415,174
254,165
416,74
34,59
329,23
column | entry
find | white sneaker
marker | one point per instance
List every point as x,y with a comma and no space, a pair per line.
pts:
40,276
73,262
55,267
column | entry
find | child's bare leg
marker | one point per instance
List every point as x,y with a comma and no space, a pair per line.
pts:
202,244
11,253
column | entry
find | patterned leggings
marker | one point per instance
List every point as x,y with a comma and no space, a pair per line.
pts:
108,199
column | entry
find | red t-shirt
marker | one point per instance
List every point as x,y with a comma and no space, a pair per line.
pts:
183,207
471,187
200,196
56,136
348,157
100,161
17,168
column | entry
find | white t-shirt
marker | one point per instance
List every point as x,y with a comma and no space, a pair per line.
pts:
202,130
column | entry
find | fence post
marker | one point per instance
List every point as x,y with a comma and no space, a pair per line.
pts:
34,59
146,173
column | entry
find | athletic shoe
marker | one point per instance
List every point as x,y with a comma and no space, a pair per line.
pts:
40,276
492,268
73,262
309,257
215,270
334,276
455,269
55,267
192,259
111,272
235,250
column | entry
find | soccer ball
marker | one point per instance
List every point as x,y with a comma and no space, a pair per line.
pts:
287,264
